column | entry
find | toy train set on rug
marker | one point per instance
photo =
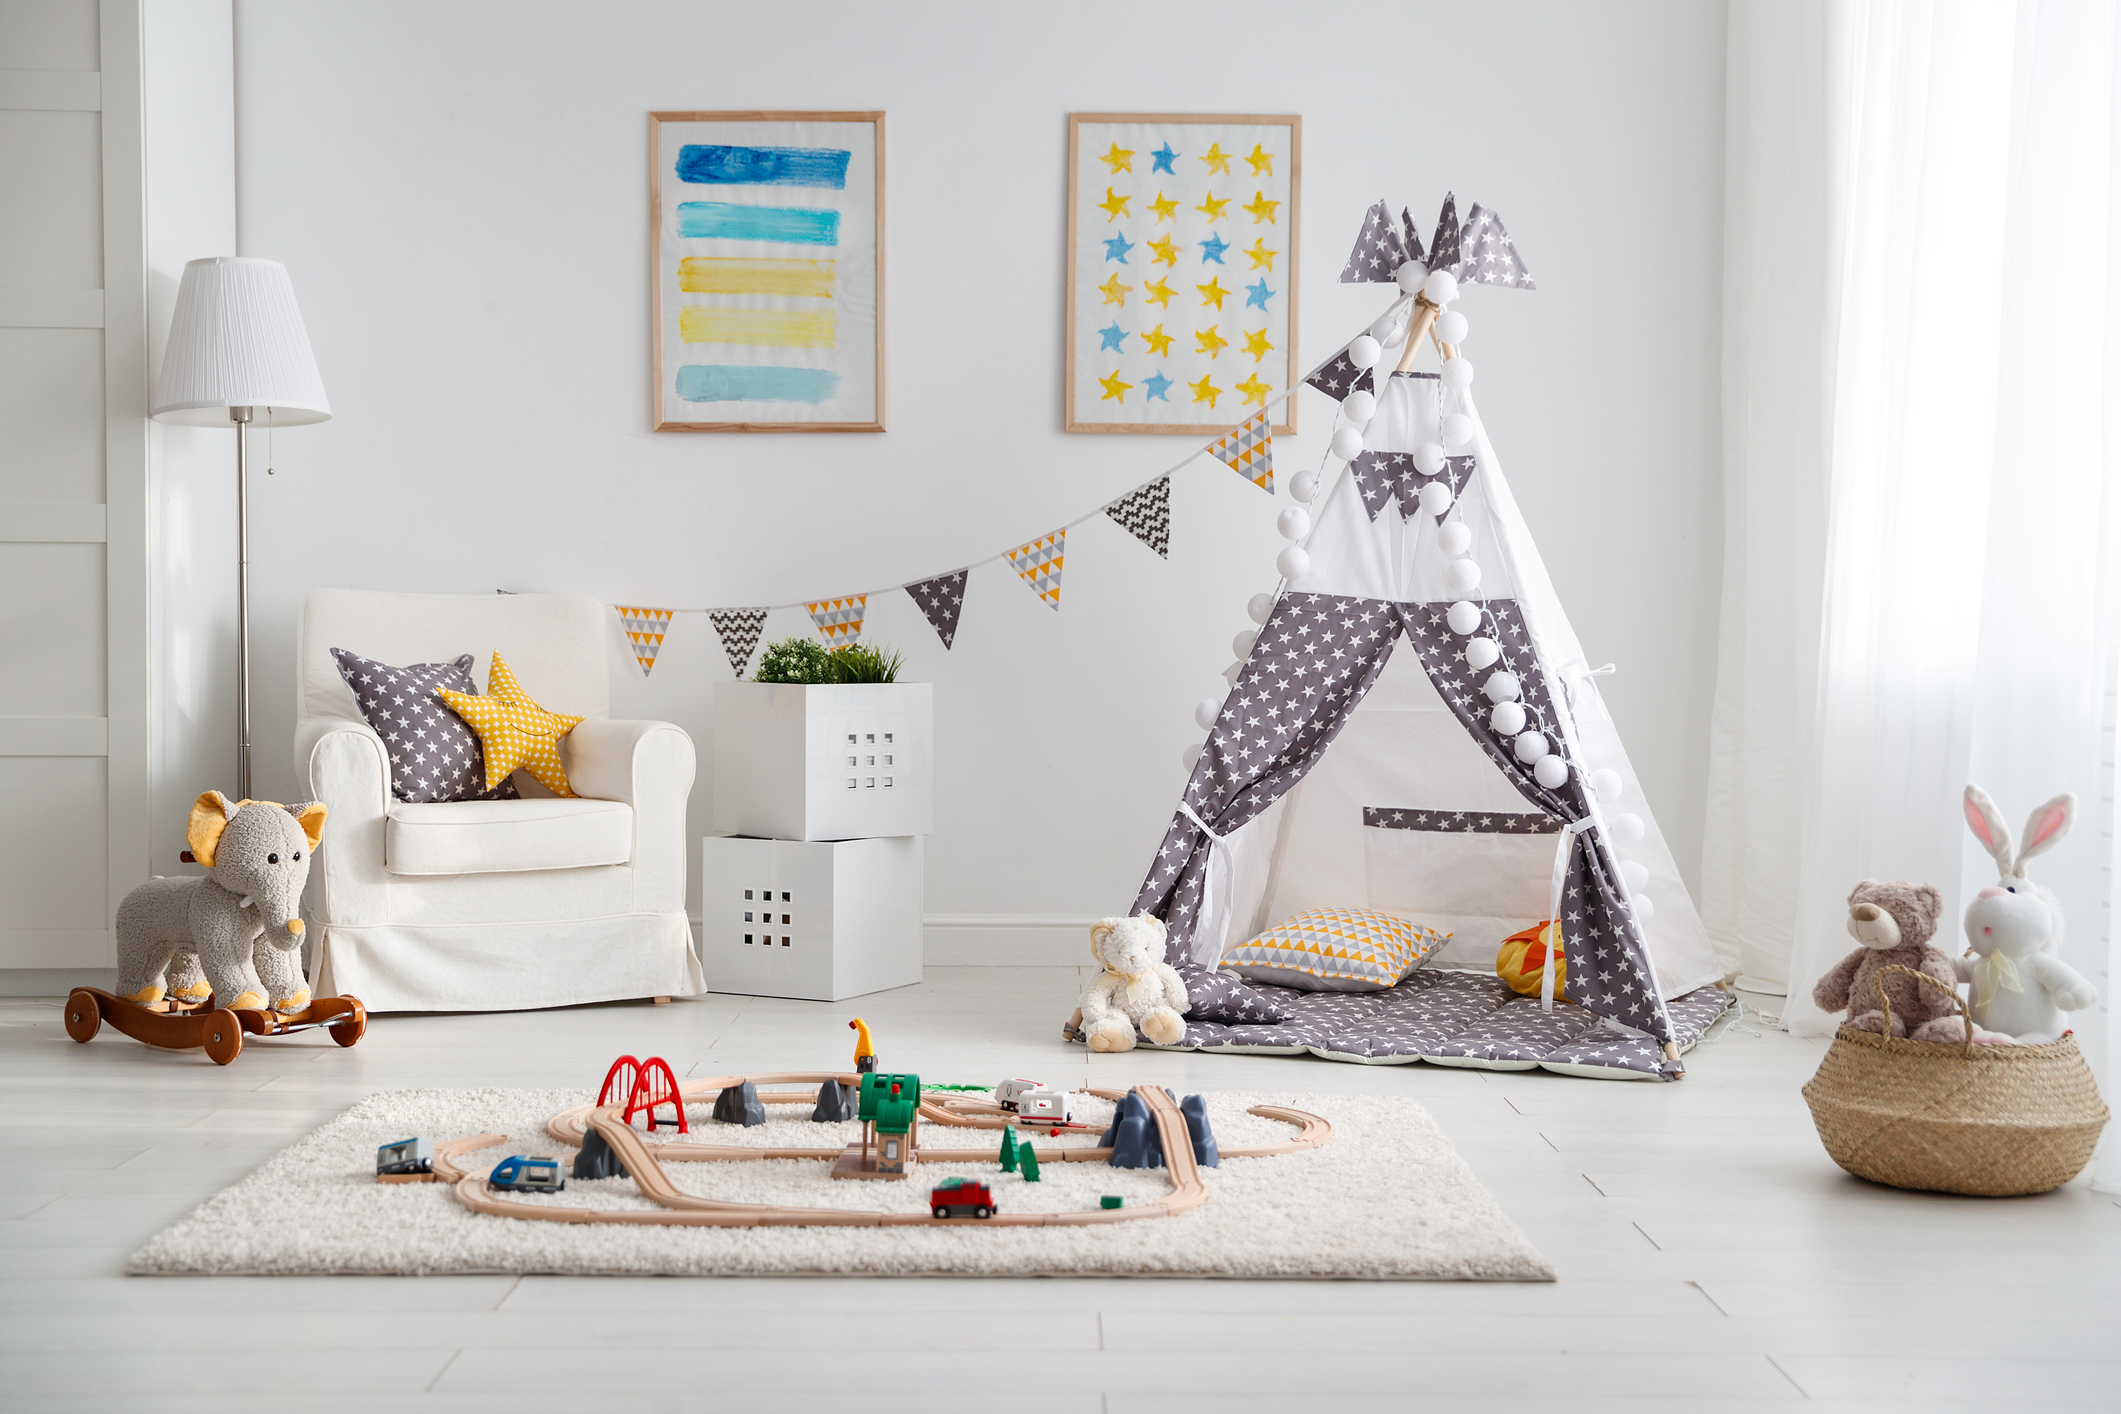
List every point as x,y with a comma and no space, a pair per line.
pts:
1151,1129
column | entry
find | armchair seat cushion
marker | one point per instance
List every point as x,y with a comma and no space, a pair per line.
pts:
507,836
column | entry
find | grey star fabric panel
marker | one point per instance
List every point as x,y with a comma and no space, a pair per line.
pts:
1608,966
1221,996
1146,515
1315,658
1487,255
1406,224
942,599
1378,251
434,756
739,630
1455,1016
1444,246
1458,822
1385,477
1338,376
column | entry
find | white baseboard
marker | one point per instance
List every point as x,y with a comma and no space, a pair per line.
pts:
1002,939
54,981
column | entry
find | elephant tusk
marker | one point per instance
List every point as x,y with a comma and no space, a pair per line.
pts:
244,902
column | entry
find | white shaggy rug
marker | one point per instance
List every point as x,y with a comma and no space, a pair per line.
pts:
1386,1197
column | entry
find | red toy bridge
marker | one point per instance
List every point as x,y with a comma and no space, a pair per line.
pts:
641,1086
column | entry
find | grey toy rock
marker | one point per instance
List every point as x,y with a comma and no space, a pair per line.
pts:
1205,1152
237,933
596,1159
740,1106
835,1102
1134,1141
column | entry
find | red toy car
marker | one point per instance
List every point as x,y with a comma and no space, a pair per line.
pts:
961,1198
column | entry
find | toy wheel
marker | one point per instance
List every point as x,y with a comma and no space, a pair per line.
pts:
983,1211
354,1027
940,1212
224,1037
83,1017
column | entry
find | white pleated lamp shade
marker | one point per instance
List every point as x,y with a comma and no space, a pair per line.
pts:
237,340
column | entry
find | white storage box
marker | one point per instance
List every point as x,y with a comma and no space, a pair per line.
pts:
822,920
823,763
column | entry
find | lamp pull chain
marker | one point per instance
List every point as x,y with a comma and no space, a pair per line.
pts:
268,442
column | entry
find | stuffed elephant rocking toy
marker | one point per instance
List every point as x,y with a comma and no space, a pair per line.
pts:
237,933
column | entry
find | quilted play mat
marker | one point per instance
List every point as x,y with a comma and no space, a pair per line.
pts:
1458,1018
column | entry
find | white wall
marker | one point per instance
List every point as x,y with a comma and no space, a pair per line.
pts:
459,192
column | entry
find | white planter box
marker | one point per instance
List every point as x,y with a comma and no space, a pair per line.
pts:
823,763
823,921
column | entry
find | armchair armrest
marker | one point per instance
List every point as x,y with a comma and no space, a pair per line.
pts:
650,766
344,764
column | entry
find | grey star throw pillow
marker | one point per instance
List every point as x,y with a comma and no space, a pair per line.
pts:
1215,996
433,755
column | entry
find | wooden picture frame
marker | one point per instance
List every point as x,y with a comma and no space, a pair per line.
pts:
1171,235
767,260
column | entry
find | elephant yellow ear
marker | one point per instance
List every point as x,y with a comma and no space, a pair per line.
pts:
311,818
209,817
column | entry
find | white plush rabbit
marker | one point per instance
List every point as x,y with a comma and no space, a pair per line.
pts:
2014,929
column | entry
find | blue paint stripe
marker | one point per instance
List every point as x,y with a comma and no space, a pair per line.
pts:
793,225
763,166
745,383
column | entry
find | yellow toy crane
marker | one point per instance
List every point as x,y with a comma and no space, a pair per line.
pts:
864,1048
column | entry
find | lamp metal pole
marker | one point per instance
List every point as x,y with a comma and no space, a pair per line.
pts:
241,417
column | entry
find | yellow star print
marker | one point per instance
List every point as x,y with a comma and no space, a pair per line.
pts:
1261,255
1157,292
1254,390
1261,160
1114,206
514,731
1210,293
1158,341
1211,206
1256,344
1261,208
1116,293
1121,159
1204,391
1217,160
1164,208
1114,389
1211,341
1166,252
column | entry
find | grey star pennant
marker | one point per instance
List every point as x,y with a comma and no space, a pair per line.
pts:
1443,246
1338,376
1478,253
1146,514
739,631
1379,250
941,599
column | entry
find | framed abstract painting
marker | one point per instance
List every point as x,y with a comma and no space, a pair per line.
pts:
1182,259
768,287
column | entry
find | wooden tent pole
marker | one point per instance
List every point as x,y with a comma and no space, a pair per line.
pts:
1418,327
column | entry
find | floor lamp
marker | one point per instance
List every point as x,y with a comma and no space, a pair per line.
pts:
237,351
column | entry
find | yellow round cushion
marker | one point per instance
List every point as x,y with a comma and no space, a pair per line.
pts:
1523,960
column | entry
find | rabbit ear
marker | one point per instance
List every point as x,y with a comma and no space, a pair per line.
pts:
2047,827
1986,822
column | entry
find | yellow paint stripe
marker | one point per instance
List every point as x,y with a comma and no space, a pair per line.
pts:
777,328
727,275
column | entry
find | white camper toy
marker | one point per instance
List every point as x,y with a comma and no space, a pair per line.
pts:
1006,1093
1046,1106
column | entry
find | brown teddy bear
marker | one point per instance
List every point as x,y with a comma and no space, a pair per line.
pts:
1894,922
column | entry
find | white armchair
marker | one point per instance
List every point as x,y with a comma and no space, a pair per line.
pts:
492,905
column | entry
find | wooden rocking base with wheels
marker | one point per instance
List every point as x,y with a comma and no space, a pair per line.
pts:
174,1025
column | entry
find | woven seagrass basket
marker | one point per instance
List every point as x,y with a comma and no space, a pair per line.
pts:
1993,1121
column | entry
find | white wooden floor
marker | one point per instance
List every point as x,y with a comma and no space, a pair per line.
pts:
1710,1255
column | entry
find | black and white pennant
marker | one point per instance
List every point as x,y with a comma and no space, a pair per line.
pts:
941,599
739,631
1146,515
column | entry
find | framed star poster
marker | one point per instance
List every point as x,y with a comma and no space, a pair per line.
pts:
768,250
1182,258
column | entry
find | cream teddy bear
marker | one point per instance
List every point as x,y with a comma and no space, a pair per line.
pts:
1137,989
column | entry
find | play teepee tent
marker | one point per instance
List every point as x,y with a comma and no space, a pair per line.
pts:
1416,731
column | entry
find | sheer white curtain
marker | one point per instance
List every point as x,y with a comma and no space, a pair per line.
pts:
1922,464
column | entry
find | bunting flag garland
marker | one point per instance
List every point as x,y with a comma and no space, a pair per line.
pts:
739,630
1249,451
1339,376
1039,562
1379,251
941,599
1146,515
645,629
839,621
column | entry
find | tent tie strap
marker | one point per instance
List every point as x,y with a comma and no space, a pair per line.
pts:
1570,829
1198,823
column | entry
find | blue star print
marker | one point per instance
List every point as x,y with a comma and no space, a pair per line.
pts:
1154,385
1112,334
1258,295
1212,249
1164,158
1117,246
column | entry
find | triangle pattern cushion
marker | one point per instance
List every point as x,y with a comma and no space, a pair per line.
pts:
1335,950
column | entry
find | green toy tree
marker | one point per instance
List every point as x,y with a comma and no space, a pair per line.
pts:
1009,1150
1027,1160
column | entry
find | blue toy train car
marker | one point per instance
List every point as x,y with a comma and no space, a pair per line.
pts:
407,1156
521,1173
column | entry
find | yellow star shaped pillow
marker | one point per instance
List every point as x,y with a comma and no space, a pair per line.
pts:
514,731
